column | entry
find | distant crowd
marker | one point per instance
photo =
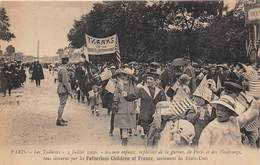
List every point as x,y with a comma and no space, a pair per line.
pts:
12,76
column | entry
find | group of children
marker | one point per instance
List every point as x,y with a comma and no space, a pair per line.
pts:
209,119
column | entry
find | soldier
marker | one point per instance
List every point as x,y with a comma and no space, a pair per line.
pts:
63,90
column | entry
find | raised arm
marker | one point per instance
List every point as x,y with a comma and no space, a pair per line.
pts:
249,115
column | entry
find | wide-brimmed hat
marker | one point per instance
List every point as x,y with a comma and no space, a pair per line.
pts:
124,71
112,67
185,129
233,86
155,64
184,78
179,62
222,66
213,66
152,74
226,101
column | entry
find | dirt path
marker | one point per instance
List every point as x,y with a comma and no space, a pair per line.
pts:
28,119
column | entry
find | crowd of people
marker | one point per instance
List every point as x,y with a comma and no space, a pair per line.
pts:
12,75
177,104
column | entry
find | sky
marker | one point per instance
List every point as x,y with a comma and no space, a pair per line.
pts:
46,21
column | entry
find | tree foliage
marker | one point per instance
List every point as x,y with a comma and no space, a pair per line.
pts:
5,33
164,30
224,40
10,49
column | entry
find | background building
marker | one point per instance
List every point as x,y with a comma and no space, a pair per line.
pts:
252,21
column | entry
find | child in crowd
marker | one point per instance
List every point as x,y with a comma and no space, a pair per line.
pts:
163,114
225,129
125,116
167,129
184,82
177,134
201,112
95,100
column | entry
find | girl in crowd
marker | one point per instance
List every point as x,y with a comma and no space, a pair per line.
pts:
184,82
225,129
201,113
125,116
168,130
95,99
177,134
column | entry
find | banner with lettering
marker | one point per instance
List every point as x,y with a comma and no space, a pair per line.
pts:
99,46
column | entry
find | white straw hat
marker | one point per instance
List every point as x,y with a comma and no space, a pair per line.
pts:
226,101
185,129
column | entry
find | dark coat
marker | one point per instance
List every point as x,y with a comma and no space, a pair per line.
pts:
7,76
165,79
81,77
148,104
37,73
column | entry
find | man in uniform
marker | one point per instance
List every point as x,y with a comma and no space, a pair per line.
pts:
63,90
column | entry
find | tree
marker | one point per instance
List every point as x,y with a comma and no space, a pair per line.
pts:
126,19
224,40
5,33
190,17
10,50
166,30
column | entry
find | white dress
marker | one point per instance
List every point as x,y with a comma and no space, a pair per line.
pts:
217,134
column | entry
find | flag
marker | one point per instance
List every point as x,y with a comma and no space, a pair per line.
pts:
203,91
202,85
254,86
105,75
252,77
181,102
117,51
219,85
250,48
84,50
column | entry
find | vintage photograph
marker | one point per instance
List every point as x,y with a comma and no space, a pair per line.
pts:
141,79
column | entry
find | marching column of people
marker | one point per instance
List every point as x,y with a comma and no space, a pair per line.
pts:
178,104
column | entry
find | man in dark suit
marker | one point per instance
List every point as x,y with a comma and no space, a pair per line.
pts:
37,73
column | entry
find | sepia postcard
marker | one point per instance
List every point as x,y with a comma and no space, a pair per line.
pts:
130,82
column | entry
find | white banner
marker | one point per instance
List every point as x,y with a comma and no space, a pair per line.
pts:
98,46
254,14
